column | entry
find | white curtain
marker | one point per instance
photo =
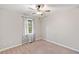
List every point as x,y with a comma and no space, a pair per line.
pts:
28,37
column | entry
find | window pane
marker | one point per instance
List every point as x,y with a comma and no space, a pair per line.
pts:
30,26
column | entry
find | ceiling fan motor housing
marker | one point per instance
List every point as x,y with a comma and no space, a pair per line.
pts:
40,6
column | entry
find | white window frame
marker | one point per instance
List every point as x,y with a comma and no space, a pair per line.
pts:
26,26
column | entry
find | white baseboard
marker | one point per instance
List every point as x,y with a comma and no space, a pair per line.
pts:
3,49
48,41
63,45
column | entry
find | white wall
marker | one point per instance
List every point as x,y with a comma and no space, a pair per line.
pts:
62,27
37,28
10,29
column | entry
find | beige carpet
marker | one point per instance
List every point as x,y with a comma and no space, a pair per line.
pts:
39,47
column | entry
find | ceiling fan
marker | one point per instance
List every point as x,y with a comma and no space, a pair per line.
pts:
40,9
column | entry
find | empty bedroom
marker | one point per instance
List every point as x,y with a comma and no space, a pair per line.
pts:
39,29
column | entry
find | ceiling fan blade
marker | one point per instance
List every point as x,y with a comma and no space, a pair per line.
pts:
30,8
33,13
47,10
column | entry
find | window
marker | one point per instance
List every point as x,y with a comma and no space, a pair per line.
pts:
28,24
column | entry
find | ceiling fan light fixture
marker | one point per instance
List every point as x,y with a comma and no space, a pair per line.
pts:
39,13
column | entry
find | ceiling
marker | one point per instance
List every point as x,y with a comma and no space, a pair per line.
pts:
24,8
